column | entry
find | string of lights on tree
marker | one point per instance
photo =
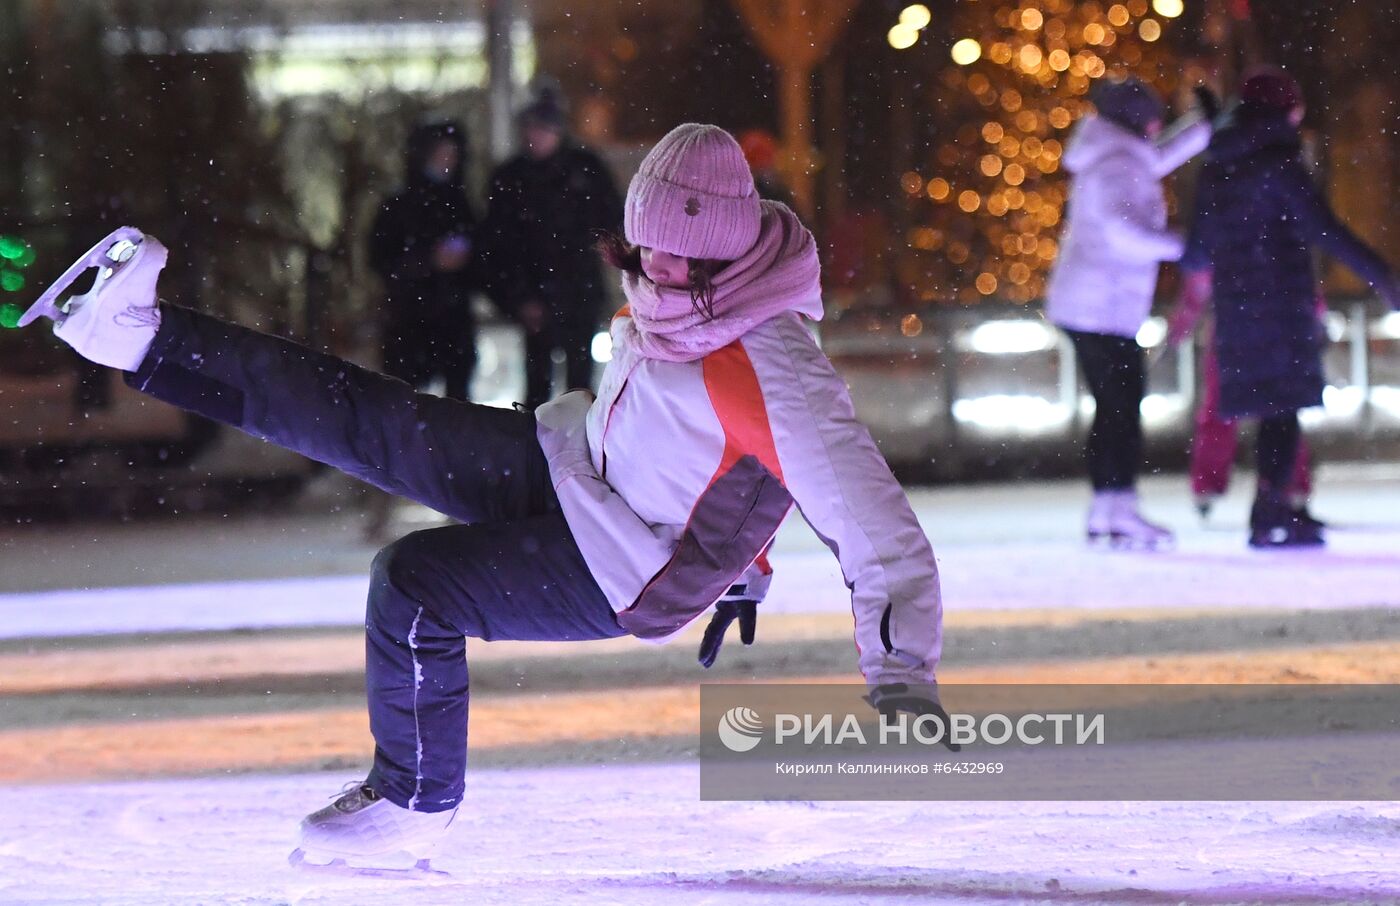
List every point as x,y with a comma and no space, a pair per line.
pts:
986,208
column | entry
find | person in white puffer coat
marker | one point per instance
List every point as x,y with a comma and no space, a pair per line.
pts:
1101,288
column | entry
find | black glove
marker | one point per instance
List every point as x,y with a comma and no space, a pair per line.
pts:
891,698
727,610
1208,101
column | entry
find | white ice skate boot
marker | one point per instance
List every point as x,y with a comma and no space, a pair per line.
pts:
1127,529
1100,521
363,831
114,322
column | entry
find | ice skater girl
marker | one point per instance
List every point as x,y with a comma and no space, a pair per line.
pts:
590,518
1101,289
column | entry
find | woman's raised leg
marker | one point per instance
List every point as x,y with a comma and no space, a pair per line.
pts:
474,463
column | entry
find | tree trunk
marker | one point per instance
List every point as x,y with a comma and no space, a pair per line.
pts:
796,36
795,95
833,169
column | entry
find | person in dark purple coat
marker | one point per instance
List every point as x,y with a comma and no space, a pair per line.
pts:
1258,218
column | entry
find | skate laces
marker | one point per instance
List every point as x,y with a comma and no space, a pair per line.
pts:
132,316
354,796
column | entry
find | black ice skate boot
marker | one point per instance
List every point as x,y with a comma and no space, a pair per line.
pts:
1306,517
1273,523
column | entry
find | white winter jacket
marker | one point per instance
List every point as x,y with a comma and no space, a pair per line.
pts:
675,479
1116,230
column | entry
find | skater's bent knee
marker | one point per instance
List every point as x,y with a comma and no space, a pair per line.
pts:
393,570
411,573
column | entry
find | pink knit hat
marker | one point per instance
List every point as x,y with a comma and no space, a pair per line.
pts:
694,196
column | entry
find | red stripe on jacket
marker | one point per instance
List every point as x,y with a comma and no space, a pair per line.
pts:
737,399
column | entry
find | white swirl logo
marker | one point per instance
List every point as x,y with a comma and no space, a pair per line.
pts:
740,729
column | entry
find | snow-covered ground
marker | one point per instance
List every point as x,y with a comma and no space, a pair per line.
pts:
632,830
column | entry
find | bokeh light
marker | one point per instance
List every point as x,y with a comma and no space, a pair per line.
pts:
903,37
11,247
998,206
966,52
15,256
916,16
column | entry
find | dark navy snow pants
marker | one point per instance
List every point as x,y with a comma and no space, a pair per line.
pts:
512,571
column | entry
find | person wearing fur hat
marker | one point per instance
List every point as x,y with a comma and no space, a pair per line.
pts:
1258,218
1104,279
545,209
629,512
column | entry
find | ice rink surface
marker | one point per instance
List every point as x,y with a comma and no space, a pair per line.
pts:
635,832
637,835
999,547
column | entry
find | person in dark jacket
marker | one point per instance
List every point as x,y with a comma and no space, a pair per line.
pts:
1258,218
421,247
548,206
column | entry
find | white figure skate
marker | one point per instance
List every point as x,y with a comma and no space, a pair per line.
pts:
1099,522
363,833
1128,530
114,322
1114,521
